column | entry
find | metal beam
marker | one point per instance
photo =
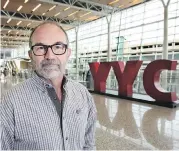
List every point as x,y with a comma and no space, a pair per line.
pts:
34,18
85,5
15,28
105,9
10,40
9,46
14,42
14,37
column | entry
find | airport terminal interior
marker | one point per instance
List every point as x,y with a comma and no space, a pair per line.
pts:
105,31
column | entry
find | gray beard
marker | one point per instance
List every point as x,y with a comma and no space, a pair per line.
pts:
49,71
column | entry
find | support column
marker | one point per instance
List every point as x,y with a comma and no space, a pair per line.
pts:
109,18
109,41
24,49
117,52
4,58
165,41
109,51
76,31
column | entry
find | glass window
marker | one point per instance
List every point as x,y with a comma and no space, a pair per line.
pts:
176,56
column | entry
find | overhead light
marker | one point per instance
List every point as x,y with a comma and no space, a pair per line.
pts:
66,8
121,6
36,7
57,14
19,23
85,14
75,19
113,2
134,1
43,14
28,24
9,31
9,20
20,7
92,18
6,4
73,13
26,1
52,7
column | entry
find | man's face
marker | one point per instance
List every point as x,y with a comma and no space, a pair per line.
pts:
49,65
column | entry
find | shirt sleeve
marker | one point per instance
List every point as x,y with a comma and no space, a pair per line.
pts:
6,124
91,128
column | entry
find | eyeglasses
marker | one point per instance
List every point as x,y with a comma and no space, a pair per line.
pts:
40,49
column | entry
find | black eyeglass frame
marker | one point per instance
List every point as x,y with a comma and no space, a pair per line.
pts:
47,46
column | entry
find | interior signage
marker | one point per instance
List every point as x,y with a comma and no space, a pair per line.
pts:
126,75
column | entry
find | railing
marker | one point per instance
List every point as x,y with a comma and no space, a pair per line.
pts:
111,83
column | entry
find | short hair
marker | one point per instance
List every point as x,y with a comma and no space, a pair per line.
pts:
47,22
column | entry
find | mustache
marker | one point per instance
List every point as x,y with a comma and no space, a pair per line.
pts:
48,62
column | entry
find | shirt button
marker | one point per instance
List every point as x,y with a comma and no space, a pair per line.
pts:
78,111
66,138
55,98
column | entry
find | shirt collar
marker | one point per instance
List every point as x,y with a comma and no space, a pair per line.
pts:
42,83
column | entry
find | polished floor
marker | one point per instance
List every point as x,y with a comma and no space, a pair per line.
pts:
127,125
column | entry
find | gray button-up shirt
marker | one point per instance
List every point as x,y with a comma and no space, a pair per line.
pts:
30,121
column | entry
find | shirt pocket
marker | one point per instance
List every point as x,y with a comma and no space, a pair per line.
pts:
76,115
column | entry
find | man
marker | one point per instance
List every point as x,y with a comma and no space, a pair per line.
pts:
48,111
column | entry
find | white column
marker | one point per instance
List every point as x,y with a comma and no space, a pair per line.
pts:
76,31
165,41
109,51
108,19
117,52
109,41
4,56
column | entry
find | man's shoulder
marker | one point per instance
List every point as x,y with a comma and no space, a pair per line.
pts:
76,85
19,89
79,89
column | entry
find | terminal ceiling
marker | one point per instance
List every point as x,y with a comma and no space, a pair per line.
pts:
19,17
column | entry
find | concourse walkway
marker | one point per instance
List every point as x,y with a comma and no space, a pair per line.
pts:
128,125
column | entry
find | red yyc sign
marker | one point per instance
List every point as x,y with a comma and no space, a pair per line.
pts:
126,75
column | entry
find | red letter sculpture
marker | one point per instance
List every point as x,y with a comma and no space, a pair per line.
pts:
126,76
100,73
151,80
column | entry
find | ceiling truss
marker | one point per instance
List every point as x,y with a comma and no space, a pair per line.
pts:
98,9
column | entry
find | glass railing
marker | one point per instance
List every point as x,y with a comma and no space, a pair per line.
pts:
111,83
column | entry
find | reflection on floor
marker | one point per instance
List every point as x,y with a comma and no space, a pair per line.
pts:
124,124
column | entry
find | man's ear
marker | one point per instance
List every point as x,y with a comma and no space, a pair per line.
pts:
30,54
